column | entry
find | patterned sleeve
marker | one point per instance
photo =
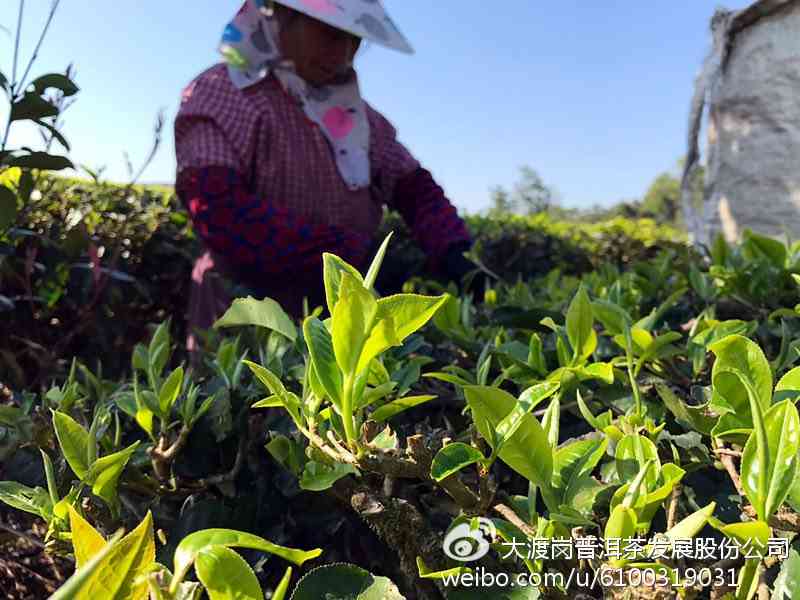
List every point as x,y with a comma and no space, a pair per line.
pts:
411,190
256,237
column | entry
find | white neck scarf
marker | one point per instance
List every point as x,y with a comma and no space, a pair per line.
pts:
251,49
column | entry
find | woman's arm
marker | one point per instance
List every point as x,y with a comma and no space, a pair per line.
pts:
254,235
434,221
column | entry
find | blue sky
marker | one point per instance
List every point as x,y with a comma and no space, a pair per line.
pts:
593,95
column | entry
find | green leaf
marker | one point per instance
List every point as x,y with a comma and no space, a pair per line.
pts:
783,436
621,525
387,411
332,269
788,579
8,207
580,330
573,464
74,442
41,160
57,81
788,387
410,312
226,575
119,573
32,107
737,357
632,453
689,527
265,313
318,477
86,541
375,266
76,586
104,474
353,317
452,458
320,346
694,417
613,317
283,587
344,582
169,392
527,451
31,500
192,544
425,572
773,250
527,402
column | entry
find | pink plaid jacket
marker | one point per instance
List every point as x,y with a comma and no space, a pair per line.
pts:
262,134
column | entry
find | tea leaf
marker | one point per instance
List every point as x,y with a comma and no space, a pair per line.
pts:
226,575
452,458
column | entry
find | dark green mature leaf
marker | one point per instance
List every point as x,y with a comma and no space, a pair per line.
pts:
694,417
32,106
527,451
344,582
8,207
226,575
452,458
41,160
57,81
265,313
318,477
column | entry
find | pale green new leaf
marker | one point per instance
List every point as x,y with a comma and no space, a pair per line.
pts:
320,346
580,331
226,575
104,473
265,313
387,411
782,424
169,392
74,442
375,266
198,541
410,312
527,451
528,401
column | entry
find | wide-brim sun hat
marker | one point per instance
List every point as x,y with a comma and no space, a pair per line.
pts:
366,19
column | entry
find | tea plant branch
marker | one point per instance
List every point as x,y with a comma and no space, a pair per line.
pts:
672,514
162,455
35,55
400,526
509,515
727,462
